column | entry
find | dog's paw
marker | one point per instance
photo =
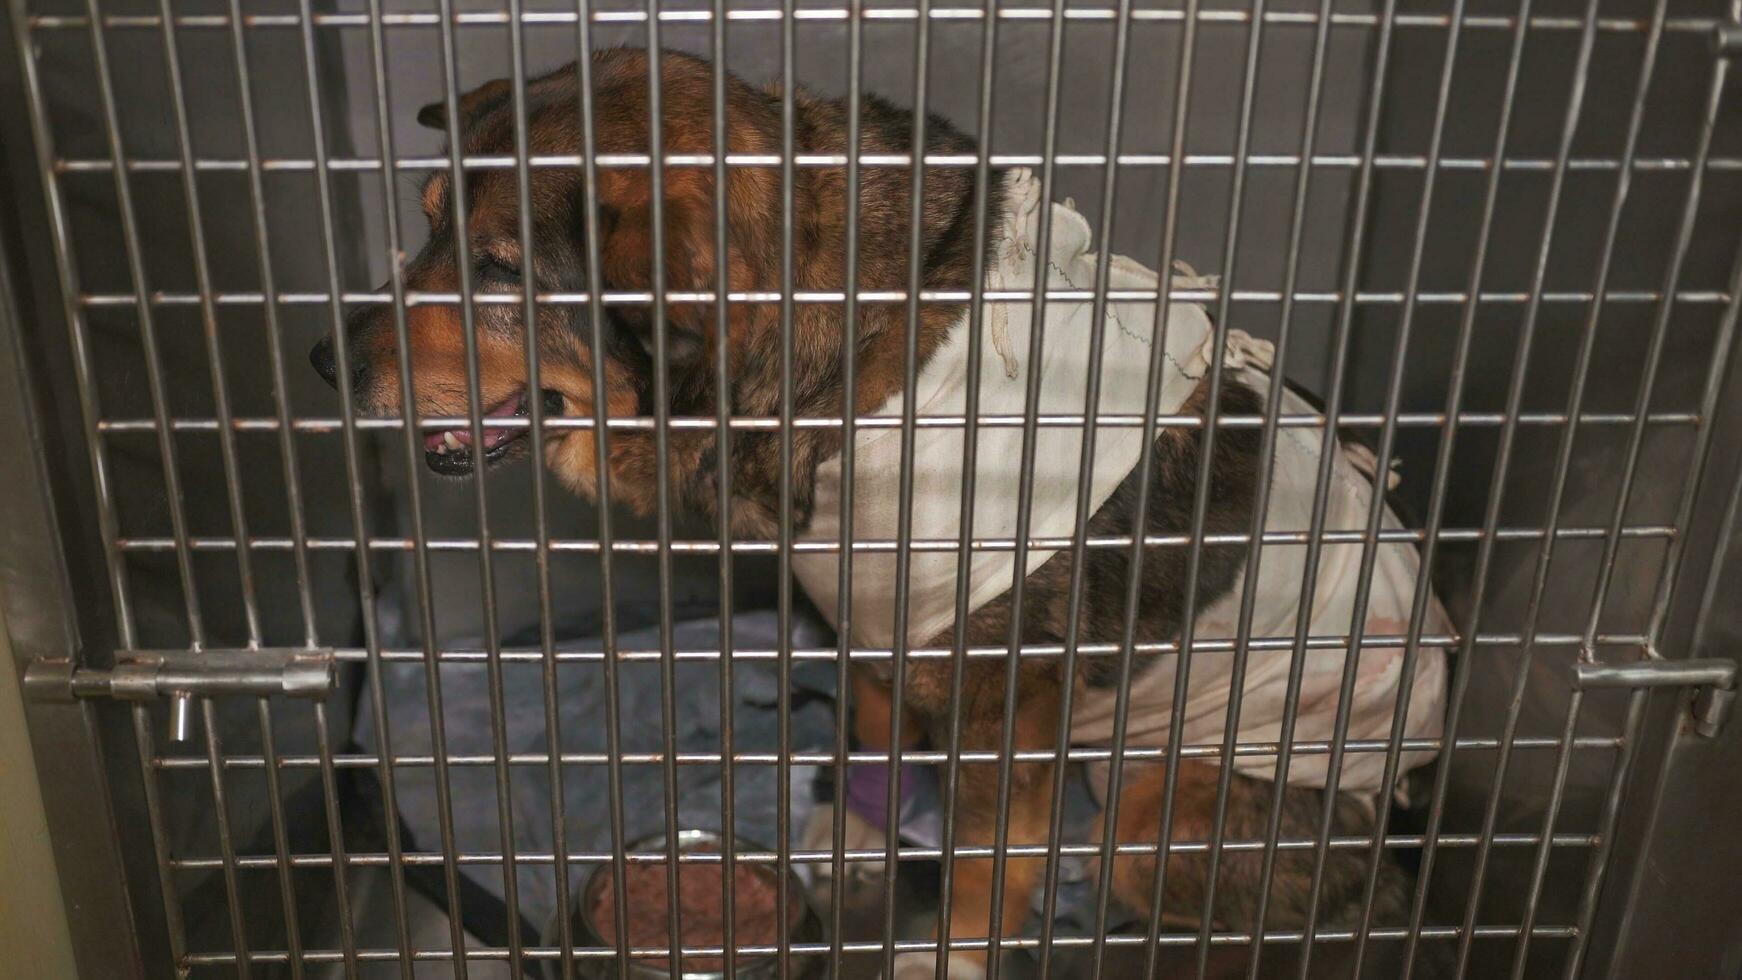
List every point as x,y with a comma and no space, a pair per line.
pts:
860,835
923,966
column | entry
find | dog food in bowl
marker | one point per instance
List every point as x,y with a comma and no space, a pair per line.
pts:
699,906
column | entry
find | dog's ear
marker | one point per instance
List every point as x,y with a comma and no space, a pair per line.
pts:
473,104
627,251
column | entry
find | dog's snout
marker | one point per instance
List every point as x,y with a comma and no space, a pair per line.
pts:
324,355
327,366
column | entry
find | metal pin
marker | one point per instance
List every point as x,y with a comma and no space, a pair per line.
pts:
181,718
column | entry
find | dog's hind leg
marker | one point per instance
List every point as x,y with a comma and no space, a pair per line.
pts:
1239,873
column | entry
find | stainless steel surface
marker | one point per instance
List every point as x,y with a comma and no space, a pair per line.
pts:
1718,672
1499,240
140,675
1727,40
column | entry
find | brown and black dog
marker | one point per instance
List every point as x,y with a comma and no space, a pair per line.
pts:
754,342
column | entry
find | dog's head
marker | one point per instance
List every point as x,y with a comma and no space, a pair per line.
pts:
487,253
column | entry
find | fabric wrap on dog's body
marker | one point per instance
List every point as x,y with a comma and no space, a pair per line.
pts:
938,452
940,464
1379,669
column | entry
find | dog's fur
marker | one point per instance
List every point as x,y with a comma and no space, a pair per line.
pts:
753,198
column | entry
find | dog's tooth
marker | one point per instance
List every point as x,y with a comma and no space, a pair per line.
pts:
449,441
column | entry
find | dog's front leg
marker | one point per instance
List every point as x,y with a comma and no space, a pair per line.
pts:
978,804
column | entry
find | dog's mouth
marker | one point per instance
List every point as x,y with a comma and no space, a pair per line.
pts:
450,451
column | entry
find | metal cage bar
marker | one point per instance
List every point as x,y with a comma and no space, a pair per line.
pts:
354,470
601,449
970,455
783,598
1622,25
1581,816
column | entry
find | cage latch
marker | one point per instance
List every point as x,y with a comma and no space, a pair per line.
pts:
1712,679
1727,39
181,675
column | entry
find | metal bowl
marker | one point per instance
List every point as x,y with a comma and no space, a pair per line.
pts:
807,929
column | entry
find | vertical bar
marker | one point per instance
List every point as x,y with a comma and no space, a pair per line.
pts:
1654,355
1467,661
226,840
1272,411
849,402
1176,173
904,503
160,840
293,491
1025,489
1599,861
486,541
209,325
1074,597
274,330
1723,350
602,466
280,842
970,457
1376,507
723,502
1357,230
1709,594
336,844
1563,465
541,519
1454,400
166,449
147,328
1200,505
1563,760
238,523
783,545
1716,373
90,413
354,470
662,476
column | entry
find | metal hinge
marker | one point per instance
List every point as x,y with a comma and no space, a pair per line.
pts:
1713,681
182,675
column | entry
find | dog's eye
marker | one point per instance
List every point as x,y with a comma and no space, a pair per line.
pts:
492,270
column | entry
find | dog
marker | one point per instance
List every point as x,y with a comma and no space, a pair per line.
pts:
569,361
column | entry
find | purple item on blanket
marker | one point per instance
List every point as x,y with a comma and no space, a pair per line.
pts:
868,791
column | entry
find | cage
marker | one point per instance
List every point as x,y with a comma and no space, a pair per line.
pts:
298,707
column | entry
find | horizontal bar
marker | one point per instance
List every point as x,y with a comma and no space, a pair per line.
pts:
1346,843
569,161
888,546
1611,25
1204,644
1712,672
1279,937
1039,650
918,756
762,423
892,296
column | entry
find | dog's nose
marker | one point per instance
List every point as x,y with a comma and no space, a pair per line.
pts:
321,356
